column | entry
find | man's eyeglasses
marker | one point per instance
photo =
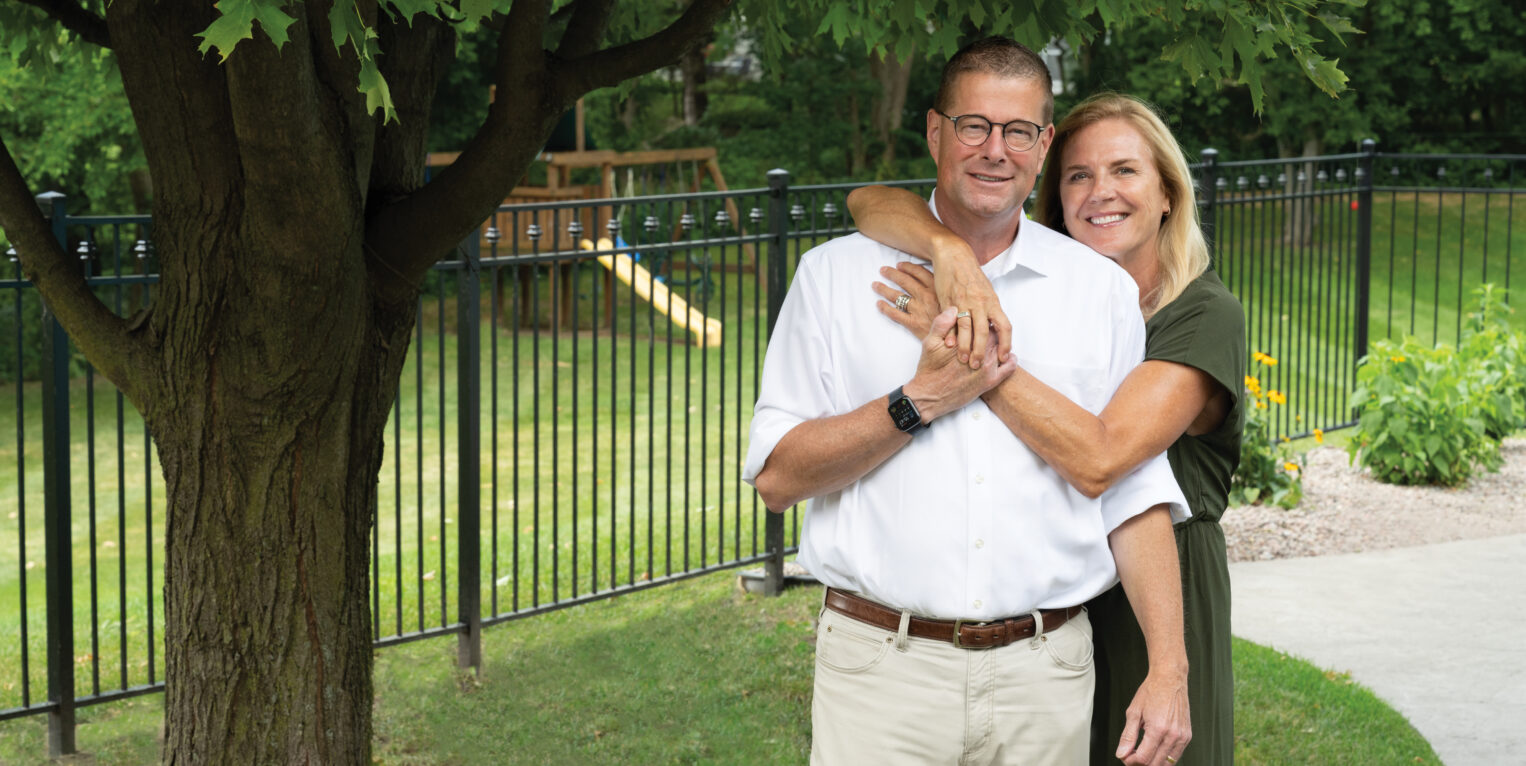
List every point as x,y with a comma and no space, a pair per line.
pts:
972,130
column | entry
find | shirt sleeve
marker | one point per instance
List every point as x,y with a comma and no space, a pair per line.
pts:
1153,482
797,378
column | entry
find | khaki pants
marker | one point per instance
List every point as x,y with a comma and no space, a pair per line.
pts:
886,698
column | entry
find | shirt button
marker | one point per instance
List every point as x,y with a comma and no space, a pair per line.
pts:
980,543
980,478
977,603
976,415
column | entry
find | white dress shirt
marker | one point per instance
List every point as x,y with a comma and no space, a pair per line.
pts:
966,521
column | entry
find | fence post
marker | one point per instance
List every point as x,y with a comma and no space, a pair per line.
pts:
778,269
468,450
1364,167
1208,193
56,507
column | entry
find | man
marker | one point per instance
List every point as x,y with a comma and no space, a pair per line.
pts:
956,560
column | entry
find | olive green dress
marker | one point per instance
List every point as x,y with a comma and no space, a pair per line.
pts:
1203,328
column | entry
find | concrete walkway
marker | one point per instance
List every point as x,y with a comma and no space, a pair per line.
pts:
1437,631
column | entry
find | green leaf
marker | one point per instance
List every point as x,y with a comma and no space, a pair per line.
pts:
235,23
1325,74
378,95
476,10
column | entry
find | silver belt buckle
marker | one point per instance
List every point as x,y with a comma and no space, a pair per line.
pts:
959,623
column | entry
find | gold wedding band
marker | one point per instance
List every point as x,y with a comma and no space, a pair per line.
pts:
1169,759
901,301
962,315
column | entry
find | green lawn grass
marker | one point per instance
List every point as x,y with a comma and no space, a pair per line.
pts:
698,672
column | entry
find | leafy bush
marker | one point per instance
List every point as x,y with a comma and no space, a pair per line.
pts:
1497,356
1270,471
1420,419
1436,415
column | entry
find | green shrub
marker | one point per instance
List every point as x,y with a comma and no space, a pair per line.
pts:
1420,415
1270,471
1436,415
1497,357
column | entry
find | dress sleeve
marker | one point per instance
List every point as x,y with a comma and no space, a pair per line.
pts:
1204,329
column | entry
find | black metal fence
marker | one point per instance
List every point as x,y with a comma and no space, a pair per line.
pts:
1327,253
571,421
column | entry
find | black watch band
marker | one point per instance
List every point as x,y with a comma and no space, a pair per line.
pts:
904,413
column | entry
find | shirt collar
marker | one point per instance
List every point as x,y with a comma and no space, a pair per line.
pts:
1027,250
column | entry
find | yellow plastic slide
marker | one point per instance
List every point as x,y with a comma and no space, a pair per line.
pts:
706,331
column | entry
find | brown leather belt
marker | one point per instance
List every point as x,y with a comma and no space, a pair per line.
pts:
962,634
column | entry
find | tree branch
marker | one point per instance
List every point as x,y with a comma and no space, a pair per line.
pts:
90,27
614,65
519,44
105,338
405,236
410,234
590,18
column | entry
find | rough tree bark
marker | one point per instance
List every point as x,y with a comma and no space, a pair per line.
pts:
293,230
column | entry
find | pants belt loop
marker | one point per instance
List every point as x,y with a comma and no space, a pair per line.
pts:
1038,627
900,634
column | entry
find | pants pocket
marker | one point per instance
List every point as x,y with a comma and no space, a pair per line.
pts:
1070,646
848,646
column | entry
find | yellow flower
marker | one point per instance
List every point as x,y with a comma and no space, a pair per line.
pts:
1277,396
1268,361
1319,436
1260,405
1285,439
1290,467
1398,358
1258,356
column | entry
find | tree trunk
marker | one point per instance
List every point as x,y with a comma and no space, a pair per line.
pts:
271,442
893,76
1298,229
856,159
695,99
276,366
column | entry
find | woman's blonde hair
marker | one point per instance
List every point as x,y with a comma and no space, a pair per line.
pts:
1181,249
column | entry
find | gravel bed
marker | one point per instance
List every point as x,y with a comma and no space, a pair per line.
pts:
1345,511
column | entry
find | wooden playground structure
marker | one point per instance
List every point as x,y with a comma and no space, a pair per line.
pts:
620,175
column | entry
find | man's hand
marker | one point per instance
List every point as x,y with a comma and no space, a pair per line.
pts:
943,384
1160,709
921,305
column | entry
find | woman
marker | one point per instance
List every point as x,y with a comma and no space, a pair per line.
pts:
1117,181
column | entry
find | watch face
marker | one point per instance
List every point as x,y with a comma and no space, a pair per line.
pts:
904,413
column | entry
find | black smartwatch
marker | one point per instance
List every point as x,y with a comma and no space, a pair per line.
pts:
903,412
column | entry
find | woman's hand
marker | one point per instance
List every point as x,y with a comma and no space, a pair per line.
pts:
916,282
960,282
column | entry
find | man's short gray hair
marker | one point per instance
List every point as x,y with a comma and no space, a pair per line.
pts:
1000,56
